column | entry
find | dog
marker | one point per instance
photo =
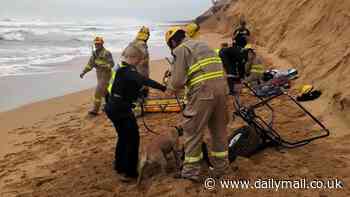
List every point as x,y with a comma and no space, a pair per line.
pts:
159,153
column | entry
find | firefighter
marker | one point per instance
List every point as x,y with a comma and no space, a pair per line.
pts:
254,68
102,61
198,68
125,90
241,34
141,43
143,66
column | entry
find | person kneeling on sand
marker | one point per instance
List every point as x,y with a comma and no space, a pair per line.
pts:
125,90
254,68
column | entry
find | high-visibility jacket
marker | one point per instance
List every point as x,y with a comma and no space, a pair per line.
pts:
100,60
114,71
194,63
199,67
257,69
128,83
217,51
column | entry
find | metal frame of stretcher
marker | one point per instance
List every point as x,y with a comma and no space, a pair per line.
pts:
265,128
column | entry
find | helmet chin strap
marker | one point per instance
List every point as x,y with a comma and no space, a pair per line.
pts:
173,46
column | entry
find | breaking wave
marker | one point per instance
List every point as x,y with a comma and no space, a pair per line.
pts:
24,43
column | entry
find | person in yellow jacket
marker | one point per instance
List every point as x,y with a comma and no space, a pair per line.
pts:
140,44
102,61
200,70
254,68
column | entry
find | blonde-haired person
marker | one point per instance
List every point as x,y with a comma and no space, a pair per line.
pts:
139,43
123,93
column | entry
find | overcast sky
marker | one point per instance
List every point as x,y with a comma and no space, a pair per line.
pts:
147,9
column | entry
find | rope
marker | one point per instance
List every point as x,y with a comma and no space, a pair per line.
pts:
143,117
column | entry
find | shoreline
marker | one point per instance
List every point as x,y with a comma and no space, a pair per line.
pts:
22,90
34,112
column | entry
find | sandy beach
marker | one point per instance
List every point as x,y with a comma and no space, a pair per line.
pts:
52,148
29,114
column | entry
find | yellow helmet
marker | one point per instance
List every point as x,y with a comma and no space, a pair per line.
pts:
98,40
192,30
304,89
249,46
171,32
143,34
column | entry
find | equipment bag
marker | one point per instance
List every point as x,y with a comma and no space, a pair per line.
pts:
267,90
309,96
245,142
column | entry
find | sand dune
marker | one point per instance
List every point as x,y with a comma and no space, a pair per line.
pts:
312,35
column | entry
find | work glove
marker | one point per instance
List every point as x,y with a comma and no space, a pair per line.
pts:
82,75
166,77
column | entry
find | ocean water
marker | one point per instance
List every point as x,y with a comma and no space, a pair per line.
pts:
30,46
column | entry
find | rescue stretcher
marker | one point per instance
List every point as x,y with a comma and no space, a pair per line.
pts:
160,105
260,132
